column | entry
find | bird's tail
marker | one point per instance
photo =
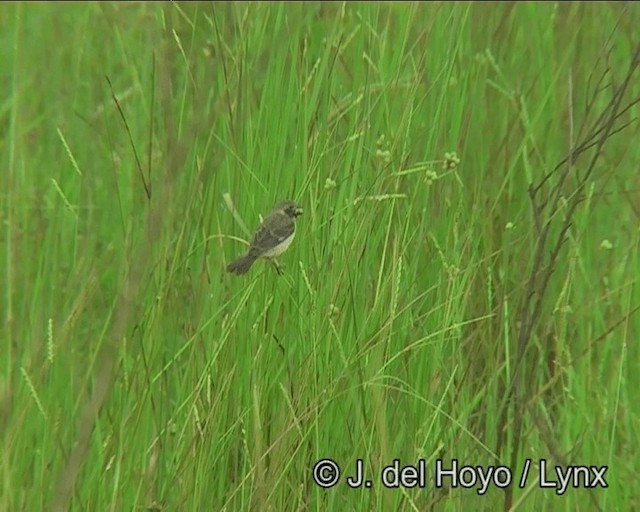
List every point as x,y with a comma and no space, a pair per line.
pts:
242,265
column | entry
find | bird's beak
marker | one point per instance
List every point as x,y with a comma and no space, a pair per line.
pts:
299,211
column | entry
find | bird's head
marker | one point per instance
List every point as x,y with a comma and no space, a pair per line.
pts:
290,208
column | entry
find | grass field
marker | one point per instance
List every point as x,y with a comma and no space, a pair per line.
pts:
464,282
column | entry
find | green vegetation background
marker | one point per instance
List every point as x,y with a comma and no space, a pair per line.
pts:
451,292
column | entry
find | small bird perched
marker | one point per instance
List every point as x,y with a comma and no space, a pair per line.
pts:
272,237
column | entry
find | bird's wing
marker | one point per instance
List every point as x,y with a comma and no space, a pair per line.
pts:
274,230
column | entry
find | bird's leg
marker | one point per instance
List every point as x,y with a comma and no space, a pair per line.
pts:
277,266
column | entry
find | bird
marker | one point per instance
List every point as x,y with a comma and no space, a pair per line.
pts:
272,238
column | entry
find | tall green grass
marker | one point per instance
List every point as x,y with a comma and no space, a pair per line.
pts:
140,145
